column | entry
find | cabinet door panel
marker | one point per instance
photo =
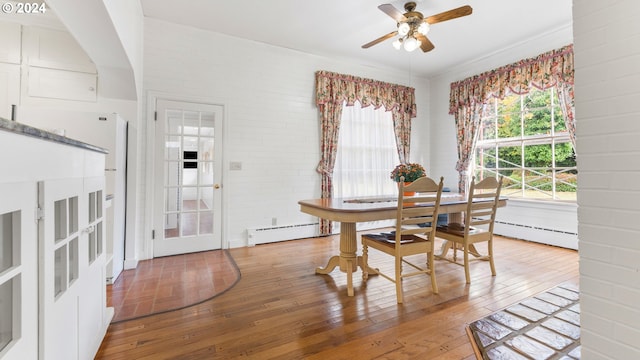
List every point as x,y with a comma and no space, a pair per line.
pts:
62,202
18,272
62,84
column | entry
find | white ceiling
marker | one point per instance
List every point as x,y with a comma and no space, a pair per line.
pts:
338,28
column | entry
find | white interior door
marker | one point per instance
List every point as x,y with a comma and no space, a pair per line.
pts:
188,173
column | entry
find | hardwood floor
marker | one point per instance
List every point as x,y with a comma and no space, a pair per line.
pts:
280,309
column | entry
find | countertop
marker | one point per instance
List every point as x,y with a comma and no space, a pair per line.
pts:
26,130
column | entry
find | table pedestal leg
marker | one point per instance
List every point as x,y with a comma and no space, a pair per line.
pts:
347,261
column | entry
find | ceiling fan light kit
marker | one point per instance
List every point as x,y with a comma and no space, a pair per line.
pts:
412,27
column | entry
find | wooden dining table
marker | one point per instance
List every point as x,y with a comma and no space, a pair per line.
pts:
349,211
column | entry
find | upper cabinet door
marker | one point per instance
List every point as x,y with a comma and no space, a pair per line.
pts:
54,49
10,42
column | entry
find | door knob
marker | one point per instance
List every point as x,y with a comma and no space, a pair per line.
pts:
216,186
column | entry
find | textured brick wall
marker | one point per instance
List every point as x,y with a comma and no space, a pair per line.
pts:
607,92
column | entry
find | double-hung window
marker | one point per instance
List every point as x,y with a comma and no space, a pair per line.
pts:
366,153
524,138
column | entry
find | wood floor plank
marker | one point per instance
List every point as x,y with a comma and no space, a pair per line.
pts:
280,309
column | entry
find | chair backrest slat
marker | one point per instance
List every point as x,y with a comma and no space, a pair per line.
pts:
418,214
482,202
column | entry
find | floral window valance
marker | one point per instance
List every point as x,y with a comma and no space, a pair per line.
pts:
544,71
338,88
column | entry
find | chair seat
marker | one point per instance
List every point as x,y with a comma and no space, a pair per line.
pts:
455,229
411,244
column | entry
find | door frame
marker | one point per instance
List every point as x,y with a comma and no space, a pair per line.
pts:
150,136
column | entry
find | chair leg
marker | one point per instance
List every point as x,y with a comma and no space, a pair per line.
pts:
432,271
466,263
399,279
365,261
490,252
454,246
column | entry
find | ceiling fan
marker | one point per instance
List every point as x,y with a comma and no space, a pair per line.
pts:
413,26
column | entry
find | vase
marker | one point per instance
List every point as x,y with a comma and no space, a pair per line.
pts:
408,193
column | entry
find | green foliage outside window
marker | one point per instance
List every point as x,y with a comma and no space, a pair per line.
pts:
524,138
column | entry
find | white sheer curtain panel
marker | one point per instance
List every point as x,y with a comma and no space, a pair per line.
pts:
366,153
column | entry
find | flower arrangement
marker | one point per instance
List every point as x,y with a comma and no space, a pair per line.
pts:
410,171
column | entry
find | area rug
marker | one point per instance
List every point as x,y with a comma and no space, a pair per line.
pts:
171,283
545,326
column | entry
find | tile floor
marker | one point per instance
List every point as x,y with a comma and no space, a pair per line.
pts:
171,282
545,326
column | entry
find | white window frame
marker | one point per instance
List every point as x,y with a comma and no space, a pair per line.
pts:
526,189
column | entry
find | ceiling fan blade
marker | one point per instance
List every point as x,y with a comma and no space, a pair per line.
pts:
448,15
390,10
380,39
425,44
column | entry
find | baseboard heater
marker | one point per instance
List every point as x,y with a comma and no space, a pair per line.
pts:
536,228
282,233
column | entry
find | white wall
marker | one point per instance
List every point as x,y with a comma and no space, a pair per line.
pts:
272,125
607,58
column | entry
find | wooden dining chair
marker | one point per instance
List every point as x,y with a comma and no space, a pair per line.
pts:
479,218
414,234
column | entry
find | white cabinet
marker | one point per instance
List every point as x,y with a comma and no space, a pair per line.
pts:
72,267
56,67
57,269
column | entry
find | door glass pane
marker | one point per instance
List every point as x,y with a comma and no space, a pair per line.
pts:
60,270
206,173
8,242
206,198
191,122
92,207
73,260
172,200
60,215
99,198
99,244
6,313
206,210
172,225
190,221
189,198
172,173
172,147
92,246
73,215
206,222
174,122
